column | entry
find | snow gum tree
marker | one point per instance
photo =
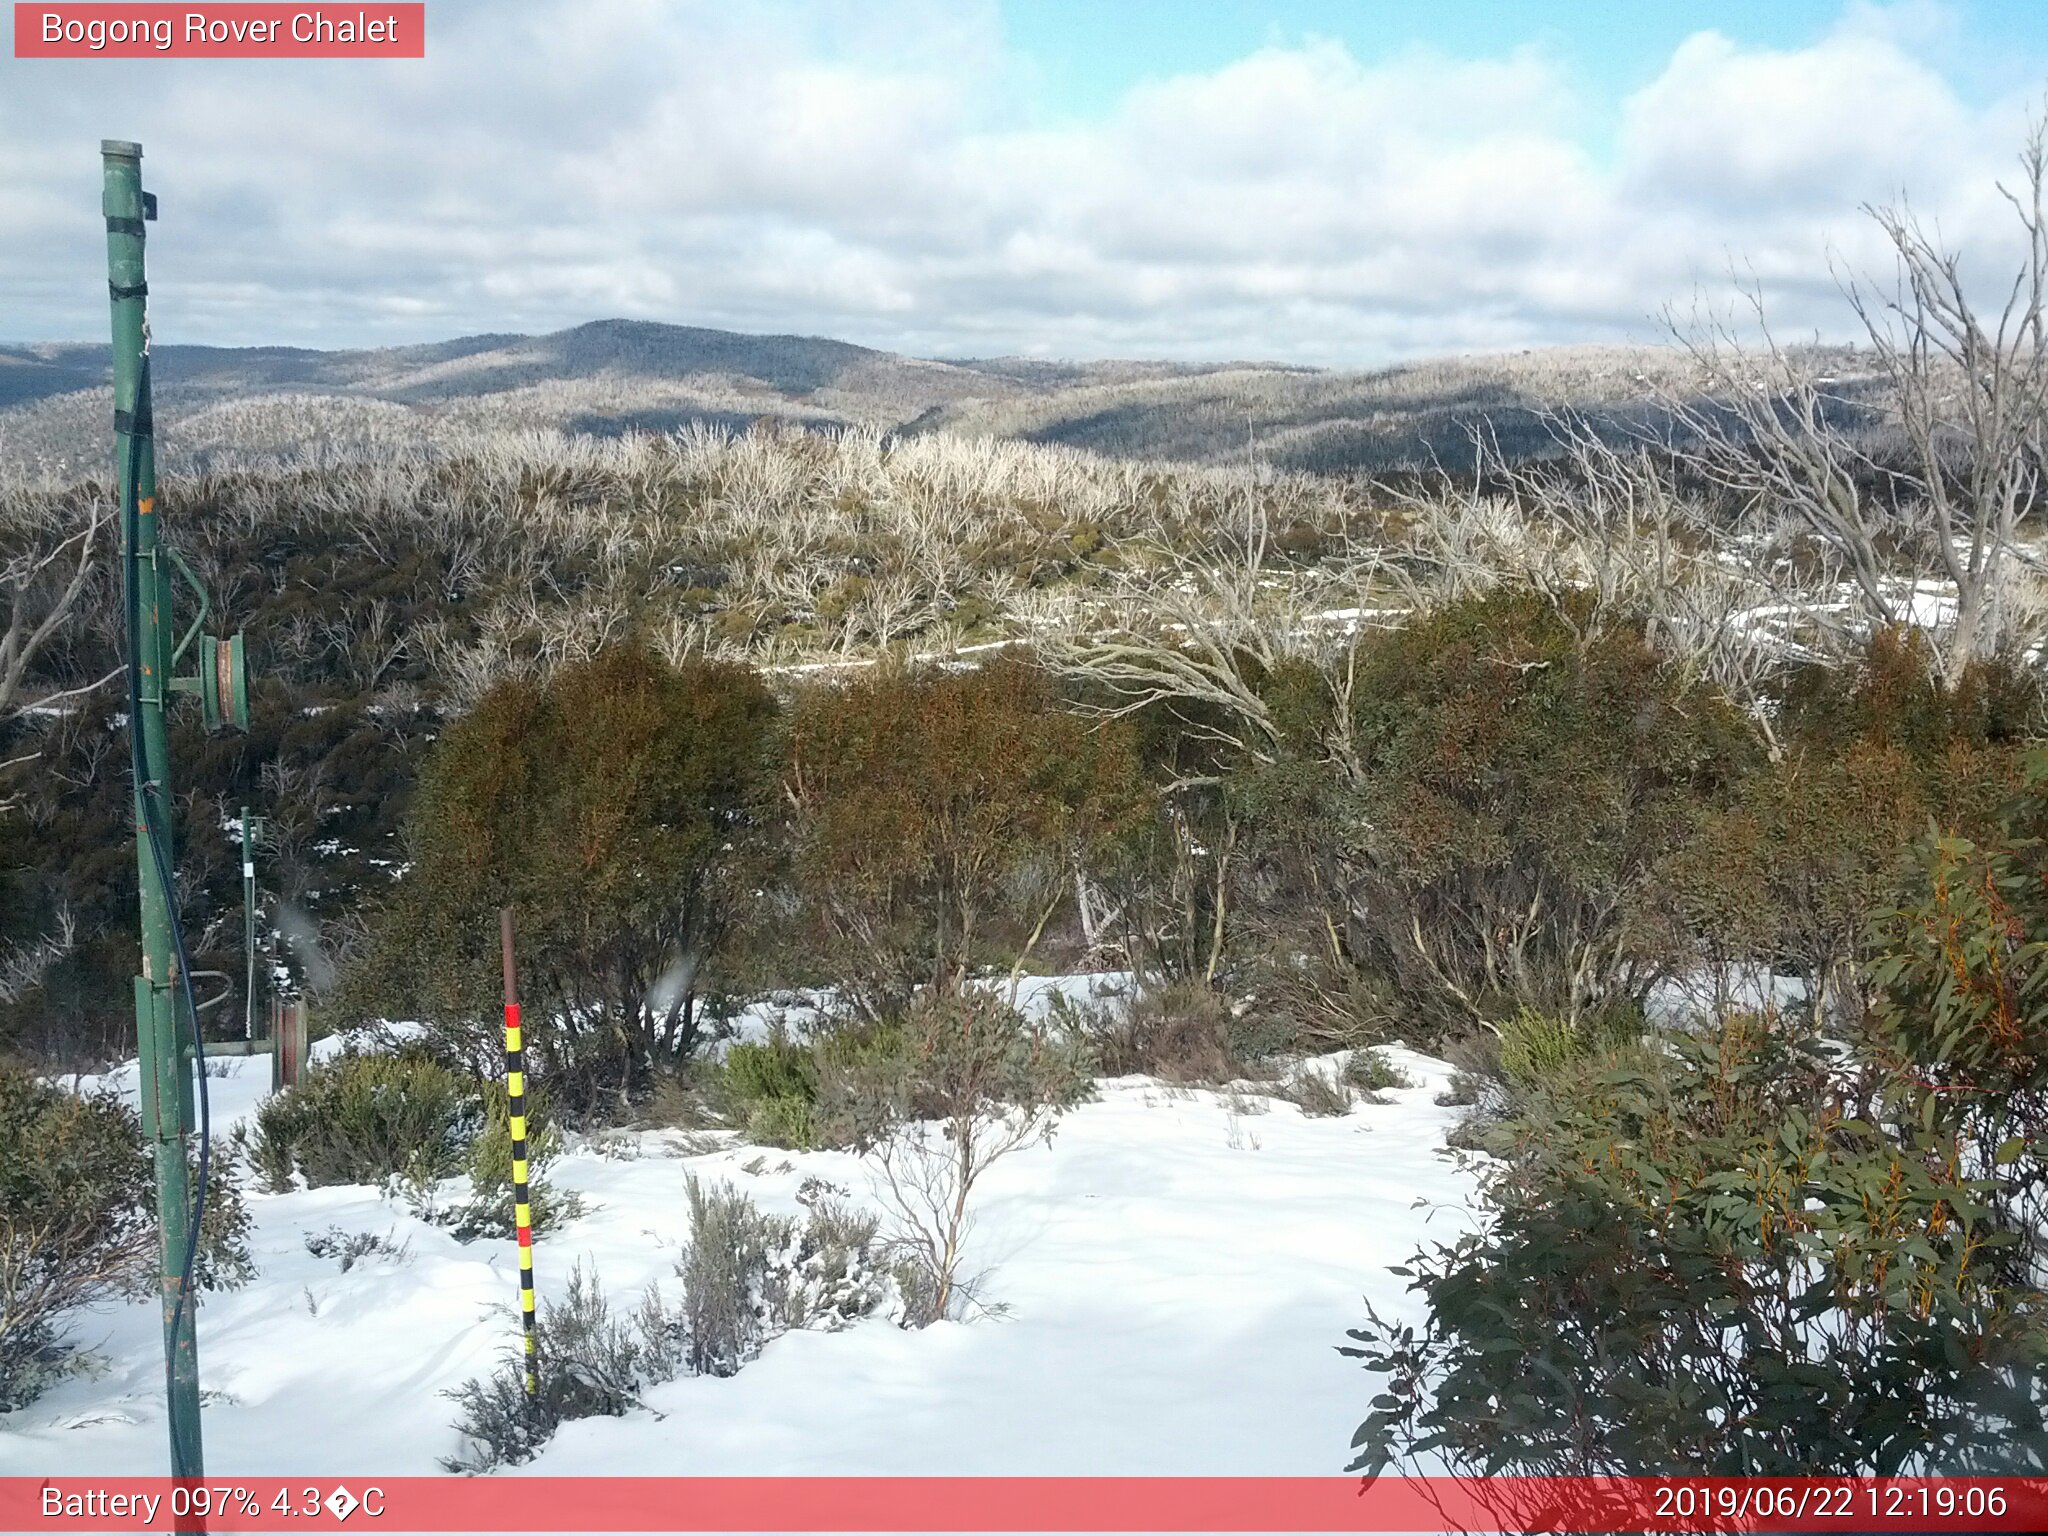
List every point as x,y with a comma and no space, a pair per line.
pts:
613,807
938,818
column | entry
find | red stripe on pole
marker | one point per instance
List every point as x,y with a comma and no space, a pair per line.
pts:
382,30
1053,1504
526,1237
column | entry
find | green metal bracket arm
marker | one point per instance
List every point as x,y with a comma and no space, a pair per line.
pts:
199,590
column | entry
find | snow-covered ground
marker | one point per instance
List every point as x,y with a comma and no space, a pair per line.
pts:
1177,1274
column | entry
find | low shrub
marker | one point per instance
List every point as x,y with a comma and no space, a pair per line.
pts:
490,1208
349,1249
588,1363
223,1262
78,1223
1181,1032
1535,1047
976,1083
769,1088
75,1228
1317,1094
783,1092
368,1117
749,1277
1371,1073
1722,1257
405,1120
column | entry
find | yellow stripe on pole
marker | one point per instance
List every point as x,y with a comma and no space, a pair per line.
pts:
519,1133
522,1214
512,1034
518,1170
515,1084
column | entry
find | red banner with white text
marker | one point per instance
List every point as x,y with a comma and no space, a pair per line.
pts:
1250,1504
102,31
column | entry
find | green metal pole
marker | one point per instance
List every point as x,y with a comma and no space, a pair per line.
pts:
248,929
166,1059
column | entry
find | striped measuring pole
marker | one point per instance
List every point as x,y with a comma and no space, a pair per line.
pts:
522,1209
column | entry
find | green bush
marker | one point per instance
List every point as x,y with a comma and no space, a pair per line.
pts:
1533,1046
1965,956
1535,1049
1482,827
616,808
788,1093
78,1223
1725,1257
223,1262
403,1119
770,1088
490,1209
369,1117
1370,1072
75,1221
1962,1003
588,1363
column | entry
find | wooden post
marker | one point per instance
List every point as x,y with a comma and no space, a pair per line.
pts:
288,1028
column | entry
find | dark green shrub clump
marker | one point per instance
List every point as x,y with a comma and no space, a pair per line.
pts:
785,1092
75,1229
78,1223
1478,826
406,1120
617,809
1688,1272
369,1117
770,1089
489,1210
1730,1255
1370,1072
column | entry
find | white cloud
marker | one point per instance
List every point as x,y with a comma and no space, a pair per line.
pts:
877,173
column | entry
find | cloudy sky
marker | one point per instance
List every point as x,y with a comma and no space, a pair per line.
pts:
1332,183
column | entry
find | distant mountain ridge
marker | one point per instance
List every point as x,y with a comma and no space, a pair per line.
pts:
613,376
473,365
